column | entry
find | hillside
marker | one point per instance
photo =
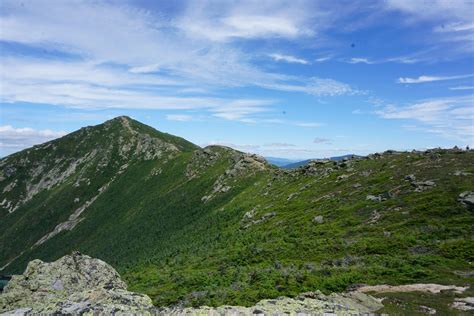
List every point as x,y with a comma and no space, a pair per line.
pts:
193,226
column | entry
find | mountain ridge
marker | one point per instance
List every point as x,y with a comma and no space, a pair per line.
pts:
193,226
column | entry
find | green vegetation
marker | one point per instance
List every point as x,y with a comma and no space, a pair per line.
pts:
256,239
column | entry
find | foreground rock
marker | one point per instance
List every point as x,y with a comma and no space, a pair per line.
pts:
74,284
78,284
313,303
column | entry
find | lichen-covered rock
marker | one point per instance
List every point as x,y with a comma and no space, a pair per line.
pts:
313,303
74,284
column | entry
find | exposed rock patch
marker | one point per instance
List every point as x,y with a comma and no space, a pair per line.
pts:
249,218
74,284
420,186
243,165
467,199
318,219
430,288
464,303
201,160
313,303
74,218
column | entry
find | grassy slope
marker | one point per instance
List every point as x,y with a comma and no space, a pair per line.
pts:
429,237
169,244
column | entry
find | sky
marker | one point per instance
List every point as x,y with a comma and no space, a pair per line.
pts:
294,79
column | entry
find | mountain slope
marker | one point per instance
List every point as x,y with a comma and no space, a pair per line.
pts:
211,226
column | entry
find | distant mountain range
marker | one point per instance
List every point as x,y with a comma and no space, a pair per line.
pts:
297,164
280,162
212,226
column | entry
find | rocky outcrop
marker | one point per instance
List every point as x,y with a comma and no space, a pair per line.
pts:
74,284
201,160
242,165
77,284
464,303
313,303
420,186
467,199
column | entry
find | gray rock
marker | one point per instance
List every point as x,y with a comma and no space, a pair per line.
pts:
373,198
291,196
467,199
421,186
464,303
461,173
318,219
427,310
312,303
74,284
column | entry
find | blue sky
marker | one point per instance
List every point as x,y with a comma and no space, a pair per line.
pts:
293,79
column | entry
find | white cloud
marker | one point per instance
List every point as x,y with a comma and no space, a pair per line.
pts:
308,124
26,70
453,18
316,86
323,58
455,27
451,118
289,59
422,79
145,69
14,139
322,140
462,88
242,26
179,117
359,60
110,68
434,9
224,21
239,110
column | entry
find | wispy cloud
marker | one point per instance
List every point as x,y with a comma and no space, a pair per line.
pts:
241,109
322,140
289,59
323,58
316,86
219,21
451,117
422,79
161,62
359,60
308,124
179,117
462,88
435,9
404,59
454,28
14,139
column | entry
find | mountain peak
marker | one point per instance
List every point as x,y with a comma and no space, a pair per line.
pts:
121,118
